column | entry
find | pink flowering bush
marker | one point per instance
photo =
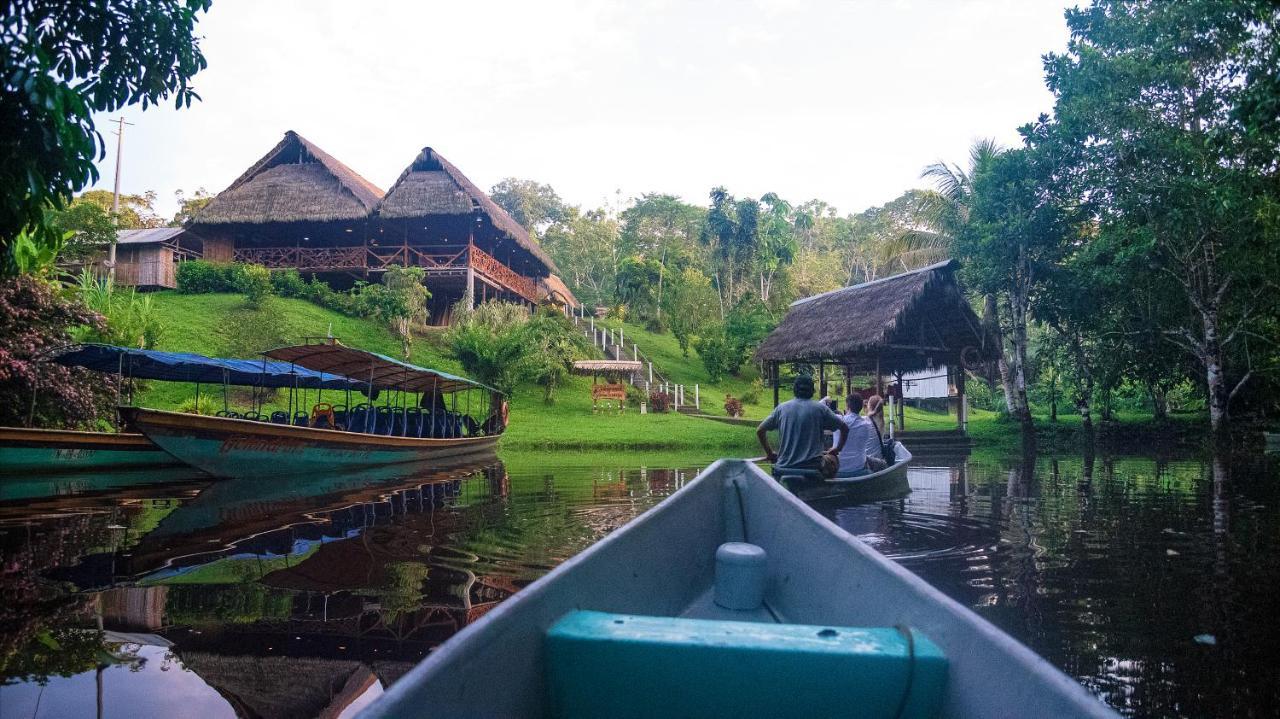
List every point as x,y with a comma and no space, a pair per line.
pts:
33,321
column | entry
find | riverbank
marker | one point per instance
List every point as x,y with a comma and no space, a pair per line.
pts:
221,324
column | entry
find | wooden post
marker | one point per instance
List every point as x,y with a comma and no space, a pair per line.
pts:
822,378
962,405
902,412
773,372
471,270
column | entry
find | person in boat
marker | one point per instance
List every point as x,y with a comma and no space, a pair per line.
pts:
800,423
862,445
875,411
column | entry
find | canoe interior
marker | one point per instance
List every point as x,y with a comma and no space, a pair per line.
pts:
662,565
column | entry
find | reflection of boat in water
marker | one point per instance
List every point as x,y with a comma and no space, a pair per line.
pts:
831,606
78,484
425,423
888,483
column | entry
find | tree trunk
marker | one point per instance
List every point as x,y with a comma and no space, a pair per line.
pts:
991,318
1018,311
1159,401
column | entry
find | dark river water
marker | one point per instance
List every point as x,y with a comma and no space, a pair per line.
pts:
161,594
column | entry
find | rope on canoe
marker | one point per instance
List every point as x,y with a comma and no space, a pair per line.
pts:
910,638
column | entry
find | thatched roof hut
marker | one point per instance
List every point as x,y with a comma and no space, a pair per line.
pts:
281,686
295,182
903,323
554,291
432,187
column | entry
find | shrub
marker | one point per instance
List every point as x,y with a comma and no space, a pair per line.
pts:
660,401
752,396
289,283
254,281
635,395
656,325
732,407
719,356
196,277
35,319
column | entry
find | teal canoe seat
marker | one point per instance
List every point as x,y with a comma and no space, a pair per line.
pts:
623,665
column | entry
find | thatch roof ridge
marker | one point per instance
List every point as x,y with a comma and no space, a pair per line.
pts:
358,196
478,197
857,319
891,278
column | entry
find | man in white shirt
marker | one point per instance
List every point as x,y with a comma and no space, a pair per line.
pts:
862,440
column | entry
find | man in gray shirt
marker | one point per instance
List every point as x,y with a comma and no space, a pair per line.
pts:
800,423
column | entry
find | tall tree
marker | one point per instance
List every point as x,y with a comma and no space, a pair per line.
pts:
944,216
1015,231
61,61
1159,112
534,205
777,245
662,227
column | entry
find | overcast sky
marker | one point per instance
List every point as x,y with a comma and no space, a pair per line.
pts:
843,101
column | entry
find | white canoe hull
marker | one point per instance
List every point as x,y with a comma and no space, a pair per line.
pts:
662,564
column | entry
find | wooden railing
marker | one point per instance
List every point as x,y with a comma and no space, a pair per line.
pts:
435,260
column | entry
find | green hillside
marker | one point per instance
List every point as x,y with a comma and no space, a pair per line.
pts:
218,324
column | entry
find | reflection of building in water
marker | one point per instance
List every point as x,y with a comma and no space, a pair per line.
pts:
284,687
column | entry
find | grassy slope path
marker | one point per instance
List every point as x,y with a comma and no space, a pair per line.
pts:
203,324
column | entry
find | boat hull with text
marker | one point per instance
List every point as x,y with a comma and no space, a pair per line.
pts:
29,451
662,566
228,447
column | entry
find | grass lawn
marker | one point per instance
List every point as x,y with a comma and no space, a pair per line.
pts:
207,324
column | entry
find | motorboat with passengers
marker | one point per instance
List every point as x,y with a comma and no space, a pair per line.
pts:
424,414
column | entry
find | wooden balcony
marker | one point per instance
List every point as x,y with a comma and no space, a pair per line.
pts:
437,261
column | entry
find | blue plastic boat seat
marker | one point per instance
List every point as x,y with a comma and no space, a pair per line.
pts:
382,421
622,665
413,422
301,419
359,419
397,421
279,417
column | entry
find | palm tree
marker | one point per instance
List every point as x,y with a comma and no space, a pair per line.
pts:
944,214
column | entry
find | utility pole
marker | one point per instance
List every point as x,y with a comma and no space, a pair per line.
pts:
115,198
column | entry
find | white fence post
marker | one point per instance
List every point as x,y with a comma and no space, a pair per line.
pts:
650,373
697,400
635,352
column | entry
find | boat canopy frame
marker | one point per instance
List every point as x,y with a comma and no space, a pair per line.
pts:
143,364
375,370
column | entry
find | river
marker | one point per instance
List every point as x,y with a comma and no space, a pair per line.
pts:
161,594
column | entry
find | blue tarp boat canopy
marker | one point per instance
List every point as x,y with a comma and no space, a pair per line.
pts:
381,371
189,367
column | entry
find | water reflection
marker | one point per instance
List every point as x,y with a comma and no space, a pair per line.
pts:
298,598
1149,580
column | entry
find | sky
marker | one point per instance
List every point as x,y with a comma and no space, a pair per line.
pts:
843,101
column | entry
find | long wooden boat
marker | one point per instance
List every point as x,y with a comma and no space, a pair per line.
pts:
31,451
241,448
419,426
841,631
25,451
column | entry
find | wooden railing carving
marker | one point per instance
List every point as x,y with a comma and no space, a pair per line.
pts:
433,259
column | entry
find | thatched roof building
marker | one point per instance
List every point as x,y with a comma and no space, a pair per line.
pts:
907,322
295,182
432,187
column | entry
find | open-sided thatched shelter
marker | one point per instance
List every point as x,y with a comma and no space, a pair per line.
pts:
908,322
